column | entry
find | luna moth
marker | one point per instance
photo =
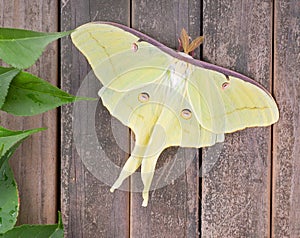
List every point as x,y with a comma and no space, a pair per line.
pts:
166,97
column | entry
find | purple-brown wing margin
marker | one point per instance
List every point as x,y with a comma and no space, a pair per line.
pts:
175,54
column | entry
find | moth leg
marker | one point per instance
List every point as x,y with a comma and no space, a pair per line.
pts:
129,168
147,171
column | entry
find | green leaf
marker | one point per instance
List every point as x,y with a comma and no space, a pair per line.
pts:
34,231
1,150
21,48
6,76
9,197
59,232
37,231
29,95
10,140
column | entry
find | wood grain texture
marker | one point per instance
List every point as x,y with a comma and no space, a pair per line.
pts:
89,209
286,163
236,191
172,209
35,162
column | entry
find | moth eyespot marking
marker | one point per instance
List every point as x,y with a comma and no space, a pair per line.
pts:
186,114
143,97
134,47
225,85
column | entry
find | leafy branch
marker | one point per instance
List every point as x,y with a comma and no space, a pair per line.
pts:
23,94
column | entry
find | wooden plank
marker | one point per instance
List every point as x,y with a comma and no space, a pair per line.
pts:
89,209
286,164
35,162
236,191
173,209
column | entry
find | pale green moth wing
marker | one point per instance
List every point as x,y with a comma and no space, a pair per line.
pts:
226,104
167,98
117,57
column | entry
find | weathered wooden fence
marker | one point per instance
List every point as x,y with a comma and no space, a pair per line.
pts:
252,190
